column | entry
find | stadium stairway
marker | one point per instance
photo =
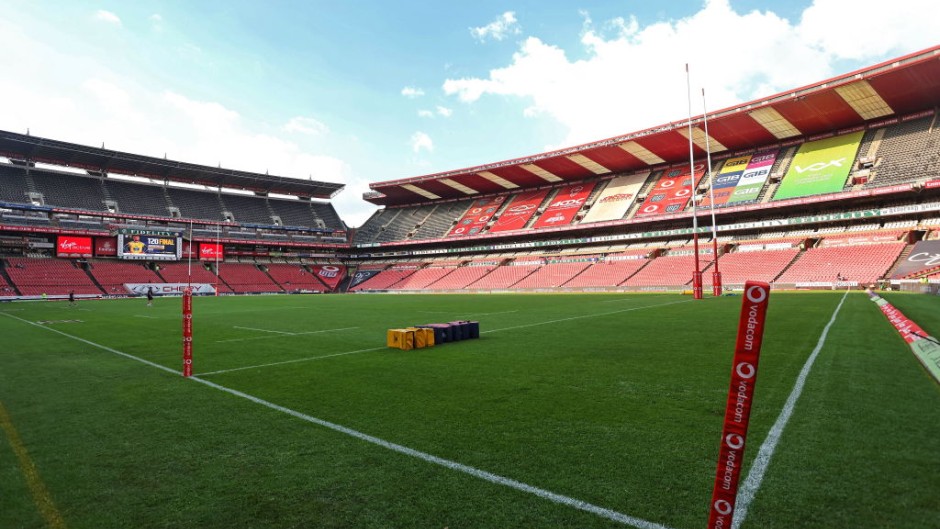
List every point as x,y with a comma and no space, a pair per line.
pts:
901,258
7,282
86,267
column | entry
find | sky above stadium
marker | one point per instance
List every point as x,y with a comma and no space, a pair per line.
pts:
365,91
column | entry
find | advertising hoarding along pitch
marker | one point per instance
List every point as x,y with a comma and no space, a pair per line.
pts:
820,166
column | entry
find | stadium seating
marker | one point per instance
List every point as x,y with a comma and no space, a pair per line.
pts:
439,222
13,186
247,209
246,278
667,271
192,204
180,273
863,263
552,275
607,273
294,277
50,276
140,199
424,278
762,265
462,277
69,190
907,153
504,277
384,279
112,275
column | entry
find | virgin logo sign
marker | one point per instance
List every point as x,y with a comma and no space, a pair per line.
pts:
74,245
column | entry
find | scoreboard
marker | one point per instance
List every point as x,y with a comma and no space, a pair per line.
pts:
149,245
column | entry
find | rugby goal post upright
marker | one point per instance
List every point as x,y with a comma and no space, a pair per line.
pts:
188,332
697,273
738,407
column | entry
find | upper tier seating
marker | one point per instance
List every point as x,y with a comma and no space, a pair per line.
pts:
441,219
607,273
34,277
246,277
246,209
863,263
764,265
141,199
179,273
402,224
294,277
196,204
552,275
13,187
112,275
908,152
327,213
70,191
293,212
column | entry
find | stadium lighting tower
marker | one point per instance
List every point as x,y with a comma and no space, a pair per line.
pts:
716,274
697,274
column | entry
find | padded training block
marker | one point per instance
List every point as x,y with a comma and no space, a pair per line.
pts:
442,332
458,329
400,339
423,337
474,328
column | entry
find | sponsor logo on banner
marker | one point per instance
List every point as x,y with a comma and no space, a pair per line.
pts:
362,275
210,251
933,184
106,246
520,211
168,289
739,402
473,221
331,275
566,206
925,256
70,246
616,198
820,167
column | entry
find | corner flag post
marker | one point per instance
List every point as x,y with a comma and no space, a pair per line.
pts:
740,399
188,332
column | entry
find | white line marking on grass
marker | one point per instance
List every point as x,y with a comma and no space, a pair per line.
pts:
609,514
262,330
756,475
584,316
144,316
283,335
307,359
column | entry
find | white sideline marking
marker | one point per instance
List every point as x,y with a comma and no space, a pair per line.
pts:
289,361
609,514
585,316
145,316
284,334
756,475
262,330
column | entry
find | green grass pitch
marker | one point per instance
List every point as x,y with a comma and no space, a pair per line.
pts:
613,400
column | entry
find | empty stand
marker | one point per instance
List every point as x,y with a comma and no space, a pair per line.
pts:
196,204
35,277
863,263
68,190
552,275
294,277
13,186
246,278
247,209
293,212
504,277
423,278
438,223
668,271
384,279
112,275
179,273
141,199
761,265
462,277
908,153
607,273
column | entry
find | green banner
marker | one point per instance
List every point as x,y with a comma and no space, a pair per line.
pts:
820,166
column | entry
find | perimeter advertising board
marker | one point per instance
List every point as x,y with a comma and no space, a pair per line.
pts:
820,167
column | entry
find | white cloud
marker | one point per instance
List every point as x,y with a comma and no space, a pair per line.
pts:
107,17
156,21
425,114
444,111
635,78
304,125
412,92
504,25
421,141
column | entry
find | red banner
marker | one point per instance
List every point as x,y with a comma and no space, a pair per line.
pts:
564,206
70,246
740,399
331,275
475,219
519,211
210,251
105,246
932,184
188,333
672,191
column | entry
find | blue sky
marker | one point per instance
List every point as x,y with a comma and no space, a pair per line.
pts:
358,92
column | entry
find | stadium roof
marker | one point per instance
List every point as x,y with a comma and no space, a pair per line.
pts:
894,88
34,149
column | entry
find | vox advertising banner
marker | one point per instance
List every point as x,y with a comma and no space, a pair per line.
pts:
753,179
740,400
672,191
616,199
519,211
924,256
564,206
210,251
70,246
820,166
475,219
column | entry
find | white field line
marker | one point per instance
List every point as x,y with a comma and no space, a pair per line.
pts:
756,475
306,359
262,330
280,336
584,316
145,316
609,514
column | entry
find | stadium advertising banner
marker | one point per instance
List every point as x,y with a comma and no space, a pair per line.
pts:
565,205
331,275
475,219
149,247
672,192
210,251
168,289
820,167
362,276
616,199
726,180
924,256
72,246
105,246
753,179
520,210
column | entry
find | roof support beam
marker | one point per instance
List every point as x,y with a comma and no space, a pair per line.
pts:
541,173
641,152
498,180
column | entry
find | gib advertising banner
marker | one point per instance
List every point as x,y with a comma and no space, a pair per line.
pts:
70,246
924,256
616,199
726,180
564,206
672,191
519,211
475,219
210,251
820,167
331,275
753,179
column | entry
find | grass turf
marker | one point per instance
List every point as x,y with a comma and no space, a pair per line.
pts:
615,400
